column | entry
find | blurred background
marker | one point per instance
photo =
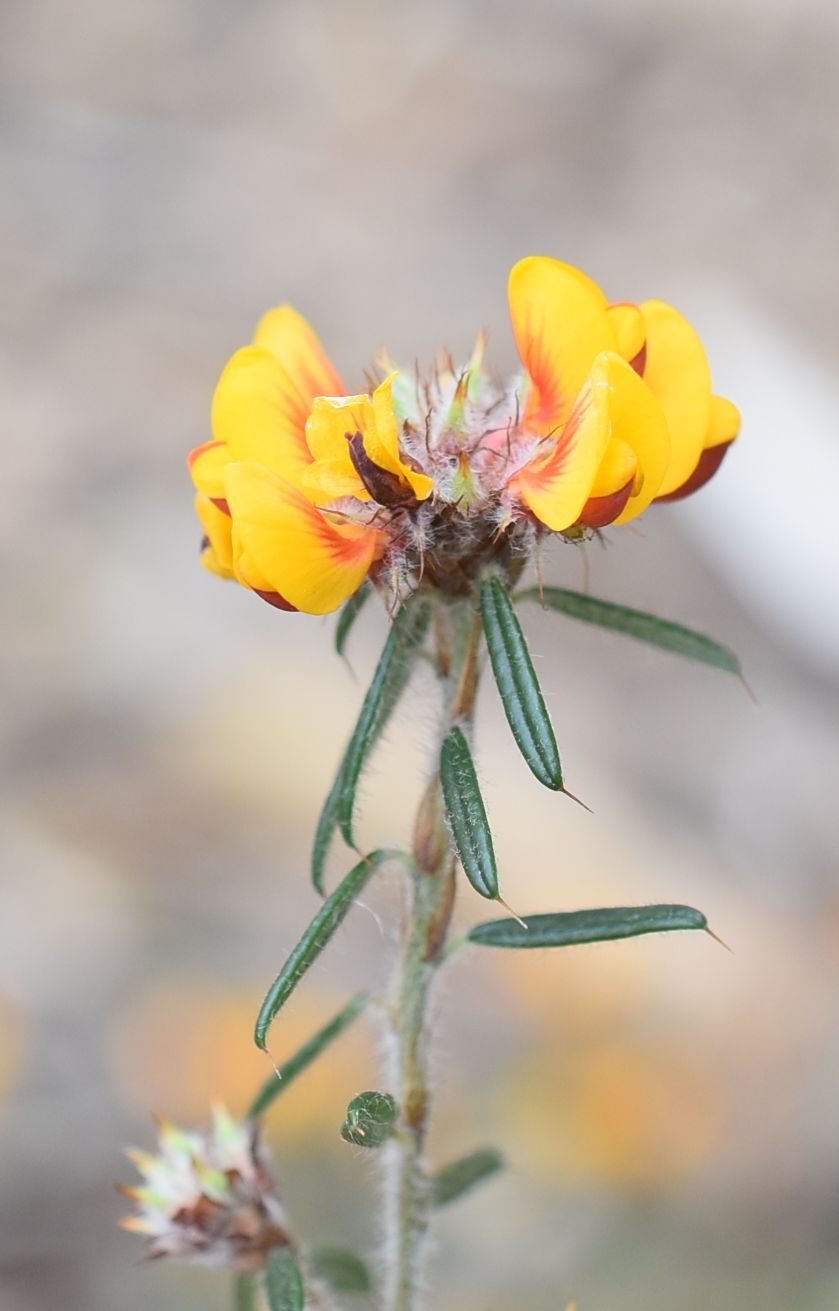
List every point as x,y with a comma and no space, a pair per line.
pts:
173,168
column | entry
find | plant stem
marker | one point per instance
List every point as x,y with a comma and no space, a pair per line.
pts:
407,1201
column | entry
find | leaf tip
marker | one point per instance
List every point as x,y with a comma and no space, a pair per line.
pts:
717,938
510,911
565,792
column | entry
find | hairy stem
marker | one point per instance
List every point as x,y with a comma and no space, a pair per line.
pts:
457,633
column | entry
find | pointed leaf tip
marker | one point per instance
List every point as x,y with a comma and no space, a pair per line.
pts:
518,686
284,1075
467,814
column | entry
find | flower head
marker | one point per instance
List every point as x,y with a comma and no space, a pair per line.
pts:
305,490
208,1198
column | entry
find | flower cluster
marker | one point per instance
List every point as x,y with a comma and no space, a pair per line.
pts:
208,1198
306,490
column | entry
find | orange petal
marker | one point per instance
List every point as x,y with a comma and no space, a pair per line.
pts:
283,544
296,346
561,324
676,371
261,415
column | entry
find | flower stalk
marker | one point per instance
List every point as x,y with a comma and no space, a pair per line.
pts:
457,633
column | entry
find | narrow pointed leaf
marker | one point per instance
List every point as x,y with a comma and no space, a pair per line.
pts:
460,1177
317,935
324,833
576,927
371,1119
389,682
342,1270
279,1082
349,613
467,814
518,685
284,1282
662,633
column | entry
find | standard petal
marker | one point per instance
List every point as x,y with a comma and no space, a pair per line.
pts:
556,486
260,413
676,371
560,323
283,544
296,346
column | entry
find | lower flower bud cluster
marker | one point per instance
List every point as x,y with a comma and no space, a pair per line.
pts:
208,1198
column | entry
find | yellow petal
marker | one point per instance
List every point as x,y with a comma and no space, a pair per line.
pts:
296,346
676,371
331,420
724,424
382,443
618,467
327,480
260,413
561,324
282,543
556,486
217,555
630,332
638,420
206,466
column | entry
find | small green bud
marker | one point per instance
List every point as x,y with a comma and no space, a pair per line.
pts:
371,1119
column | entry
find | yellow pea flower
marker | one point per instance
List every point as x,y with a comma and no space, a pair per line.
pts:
658,441
304,490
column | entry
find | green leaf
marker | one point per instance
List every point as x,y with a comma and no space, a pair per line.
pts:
281,1080
460,1177
324,833
284,1282
637,623
389,681
518,685
349,613
575,927
467,814
393,672
244,1293
317,935
371,1119
342,1270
